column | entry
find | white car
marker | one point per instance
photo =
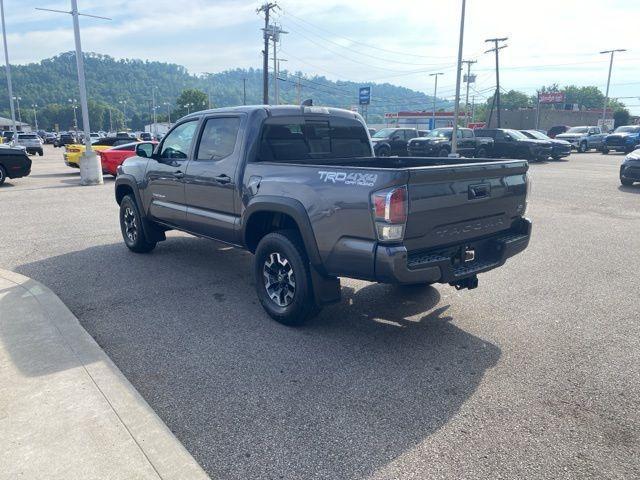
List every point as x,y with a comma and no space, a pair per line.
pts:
31,142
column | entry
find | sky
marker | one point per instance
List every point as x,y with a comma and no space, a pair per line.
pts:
400,42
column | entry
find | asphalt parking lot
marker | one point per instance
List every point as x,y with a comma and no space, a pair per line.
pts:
535,374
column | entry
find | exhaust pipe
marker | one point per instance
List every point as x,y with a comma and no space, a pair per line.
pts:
469,283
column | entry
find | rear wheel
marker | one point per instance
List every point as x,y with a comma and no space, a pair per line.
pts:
131,227
3,174
283,278
605,150
443,152
481,153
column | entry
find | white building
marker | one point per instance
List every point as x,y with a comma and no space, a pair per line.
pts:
161,128
5,124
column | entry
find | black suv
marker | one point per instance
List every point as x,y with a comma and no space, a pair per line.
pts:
393,141
509,143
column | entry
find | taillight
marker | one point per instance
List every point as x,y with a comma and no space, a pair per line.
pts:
390,213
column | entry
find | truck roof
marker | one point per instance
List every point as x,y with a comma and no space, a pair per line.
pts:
279,110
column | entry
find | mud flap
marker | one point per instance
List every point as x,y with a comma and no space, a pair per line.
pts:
326,290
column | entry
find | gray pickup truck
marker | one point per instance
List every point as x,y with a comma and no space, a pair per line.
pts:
301,189
584,139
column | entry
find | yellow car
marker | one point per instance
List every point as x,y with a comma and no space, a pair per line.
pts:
74,151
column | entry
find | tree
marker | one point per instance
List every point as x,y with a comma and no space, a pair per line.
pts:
621,117
190,100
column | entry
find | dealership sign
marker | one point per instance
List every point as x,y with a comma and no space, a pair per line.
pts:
551,97
364,96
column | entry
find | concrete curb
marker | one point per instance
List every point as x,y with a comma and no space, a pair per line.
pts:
157,444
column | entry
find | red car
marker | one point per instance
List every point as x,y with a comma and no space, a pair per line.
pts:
113,157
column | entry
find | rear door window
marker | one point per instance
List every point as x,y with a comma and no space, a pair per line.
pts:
304,138
218,138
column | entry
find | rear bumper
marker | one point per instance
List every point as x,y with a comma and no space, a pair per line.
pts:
394,264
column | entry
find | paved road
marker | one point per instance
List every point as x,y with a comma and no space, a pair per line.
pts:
533,375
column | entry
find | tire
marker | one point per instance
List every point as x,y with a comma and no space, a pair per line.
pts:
3,174
583,147
283,278
383,152
443,152
131,227
626,182
481,153
605,151
40,153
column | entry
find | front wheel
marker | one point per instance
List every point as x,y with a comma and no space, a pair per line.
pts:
626,182
443,152
283,278
383,152
583,147
605,150
131,227
3,174
481,153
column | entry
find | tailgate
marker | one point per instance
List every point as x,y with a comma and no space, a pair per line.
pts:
453,204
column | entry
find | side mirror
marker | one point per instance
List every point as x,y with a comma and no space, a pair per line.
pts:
144,150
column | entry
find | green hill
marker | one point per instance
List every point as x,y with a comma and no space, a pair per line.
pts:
115,86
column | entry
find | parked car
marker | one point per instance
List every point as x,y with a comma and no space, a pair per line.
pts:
630,168
553,131
7,136
509,143
14,163
146,136
559,148
393,141
111,158
65,139
74,151
49,138
372,131
584,138
437,143
31,143
623,139
300,188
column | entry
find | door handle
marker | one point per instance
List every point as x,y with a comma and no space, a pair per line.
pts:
223,179
178,174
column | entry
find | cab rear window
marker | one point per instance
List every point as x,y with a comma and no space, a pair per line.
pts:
303,138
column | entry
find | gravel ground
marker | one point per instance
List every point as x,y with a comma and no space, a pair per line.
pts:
535,374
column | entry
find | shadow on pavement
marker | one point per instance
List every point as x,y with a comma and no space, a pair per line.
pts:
364,382
635,188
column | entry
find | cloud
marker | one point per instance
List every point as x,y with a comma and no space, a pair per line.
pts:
360,40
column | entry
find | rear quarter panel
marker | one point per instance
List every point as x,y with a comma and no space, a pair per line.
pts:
337,201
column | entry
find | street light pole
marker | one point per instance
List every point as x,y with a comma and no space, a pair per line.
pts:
17,99
153,100
435,92
90,167
168,105
124,112
8,69
454,134
35,115
606,95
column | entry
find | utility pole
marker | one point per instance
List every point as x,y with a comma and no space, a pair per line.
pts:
153,106
495,49
266,8
275,37
435,92
298,92
606,95
90,166
124,112
110,121
468,82
473,109
244,91
35,115
8,69
17,99
454,133
537,109
168,105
